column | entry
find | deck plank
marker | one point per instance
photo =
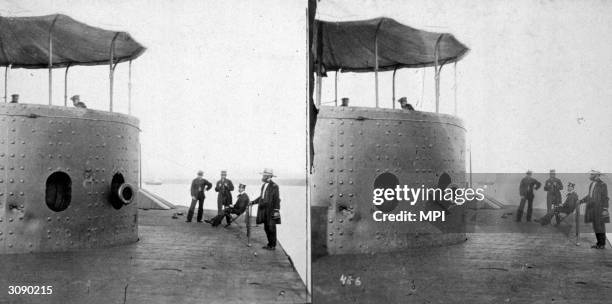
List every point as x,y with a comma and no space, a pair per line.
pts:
173,262
506,262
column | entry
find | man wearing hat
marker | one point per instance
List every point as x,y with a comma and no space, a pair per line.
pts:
597,208
268,212
571,201
224,188
15,98
553,187
528,184
77,103
242,202
198,186
403,101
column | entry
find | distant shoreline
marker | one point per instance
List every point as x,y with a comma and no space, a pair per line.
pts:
251,181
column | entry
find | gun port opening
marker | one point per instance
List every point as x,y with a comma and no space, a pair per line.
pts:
58,191
386,181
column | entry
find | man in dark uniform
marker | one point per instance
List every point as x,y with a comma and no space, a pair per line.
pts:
198,186
571,201
242,202
553,187
15,98
597,208
224,188
528,184
268,212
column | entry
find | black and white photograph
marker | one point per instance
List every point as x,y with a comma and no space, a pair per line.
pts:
153,151
459,151
305,151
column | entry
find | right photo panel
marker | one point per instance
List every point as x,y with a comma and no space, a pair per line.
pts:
460,151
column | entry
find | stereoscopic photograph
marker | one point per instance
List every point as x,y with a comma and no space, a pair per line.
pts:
153,152
305,151
459,151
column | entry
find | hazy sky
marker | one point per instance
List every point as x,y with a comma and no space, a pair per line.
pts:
535,90
221,85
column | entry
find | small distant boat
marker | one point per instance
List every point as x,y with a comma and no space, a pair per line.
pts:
155,182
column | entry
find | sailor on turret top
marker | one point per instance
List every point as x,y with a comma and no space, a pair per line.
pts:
76,101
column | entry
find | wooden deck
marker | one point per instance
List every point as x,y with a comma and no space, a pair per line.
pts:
174,262
504,262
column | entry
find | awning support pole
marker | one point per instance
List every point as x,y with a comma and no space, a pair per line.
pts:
6,83
66,86
393,96
455,72
437,72
51,60
336,89
130,88
422,101
376,68
376,61
111,71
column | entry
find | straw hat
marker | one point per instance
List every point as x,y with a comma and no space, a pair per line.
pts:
268,171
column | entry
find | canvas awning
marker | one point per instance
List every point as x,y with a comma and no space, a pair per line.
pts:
24,43
350,46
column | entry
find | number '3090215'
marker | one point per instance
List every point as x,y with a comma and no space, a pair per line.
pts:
29,290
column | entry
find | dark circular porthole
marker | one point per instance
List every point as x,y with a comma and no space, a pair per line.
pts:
58,191
386,181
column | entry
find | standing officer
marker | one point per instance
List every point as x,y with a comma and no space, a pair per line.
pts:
224,188
198,186
526,188
553,187
268,211
597,208
15,98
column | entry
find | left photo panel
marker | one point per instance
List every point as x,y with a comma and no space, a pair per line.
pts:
153,152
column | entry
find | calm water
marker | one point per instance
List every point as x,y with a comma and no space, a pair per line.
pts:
292,233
